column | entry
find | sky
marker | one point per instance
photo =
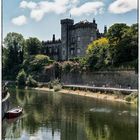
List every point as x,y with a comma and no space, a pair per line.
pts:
41,18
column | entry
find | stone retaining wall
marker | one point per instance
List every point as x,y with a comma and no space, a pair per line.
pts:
117,79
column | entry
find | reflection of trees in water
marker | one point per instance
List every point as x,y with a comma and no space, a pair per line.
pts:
67,114
20,97
12,128
23,97
110,126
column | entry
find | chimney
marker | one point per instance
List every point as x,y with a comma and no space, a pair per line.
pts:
94,21
105,29
53,38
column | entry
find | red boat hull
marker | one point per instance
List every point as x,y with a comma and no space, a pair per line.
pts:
14,113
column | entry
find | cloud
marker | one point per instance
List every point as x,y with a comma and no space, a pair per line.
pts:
87,8
20,20
122,6
30,5
37,14
39,9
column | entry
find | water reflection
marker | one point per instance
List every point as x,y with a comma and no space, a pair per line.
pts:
53,116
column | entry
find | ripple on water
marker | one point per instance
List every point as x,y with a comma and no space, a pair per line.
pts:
105,110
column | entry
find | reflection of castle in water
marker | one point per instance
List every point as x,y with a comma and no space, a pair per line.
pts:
74,39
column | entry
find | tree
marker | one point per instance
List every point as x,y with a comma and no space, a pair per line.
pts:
116,32
123,42
31,82
35,63
21,78
97,53
33,46
13,51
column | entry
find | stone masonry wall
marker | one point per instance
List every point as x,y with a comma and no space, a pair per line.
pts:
122,79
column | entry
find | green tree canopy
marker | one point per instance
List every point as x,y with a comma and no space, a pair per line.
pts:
13,51
35,63
123,42
33,46
116,32
21,78
97,53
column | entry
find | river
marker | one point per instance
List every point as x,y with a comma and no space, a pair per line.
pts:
56,116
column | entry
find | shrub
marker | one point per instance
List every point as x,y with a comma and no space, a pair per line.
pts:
36,62
132,97
31,82
69,66
21,78
50,85
57,87
128,98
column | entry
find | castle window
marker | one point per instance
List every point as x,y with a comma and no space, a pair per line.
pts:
78,38
45,51
73,39
50,50
63,52
56,50
91,39
71,52
78,51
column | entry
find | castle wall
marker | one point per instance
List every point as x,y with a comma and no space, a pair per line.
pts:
118,79
53,50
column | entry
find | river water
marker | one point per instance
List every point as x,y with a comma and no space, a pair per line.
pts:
55,116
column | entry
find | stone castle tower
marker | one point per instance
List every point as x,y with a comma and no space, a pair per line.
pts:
66,25
74,39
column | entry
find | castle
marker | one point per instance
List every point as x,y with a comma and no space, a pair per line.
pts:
74,40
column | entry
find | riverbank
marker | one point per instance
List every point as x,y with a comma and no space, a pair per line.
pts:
111,97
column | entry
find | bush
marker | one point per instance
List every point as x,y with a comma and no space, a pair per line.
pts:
50,85
128,98
57,87
69,66
132,97
21,78
35,63
31,82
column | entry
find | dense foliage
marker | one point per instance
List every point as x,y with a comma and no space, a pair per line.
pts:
21,78
33,46
118,49
123,42
13,53
35,63
30,82
98,54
